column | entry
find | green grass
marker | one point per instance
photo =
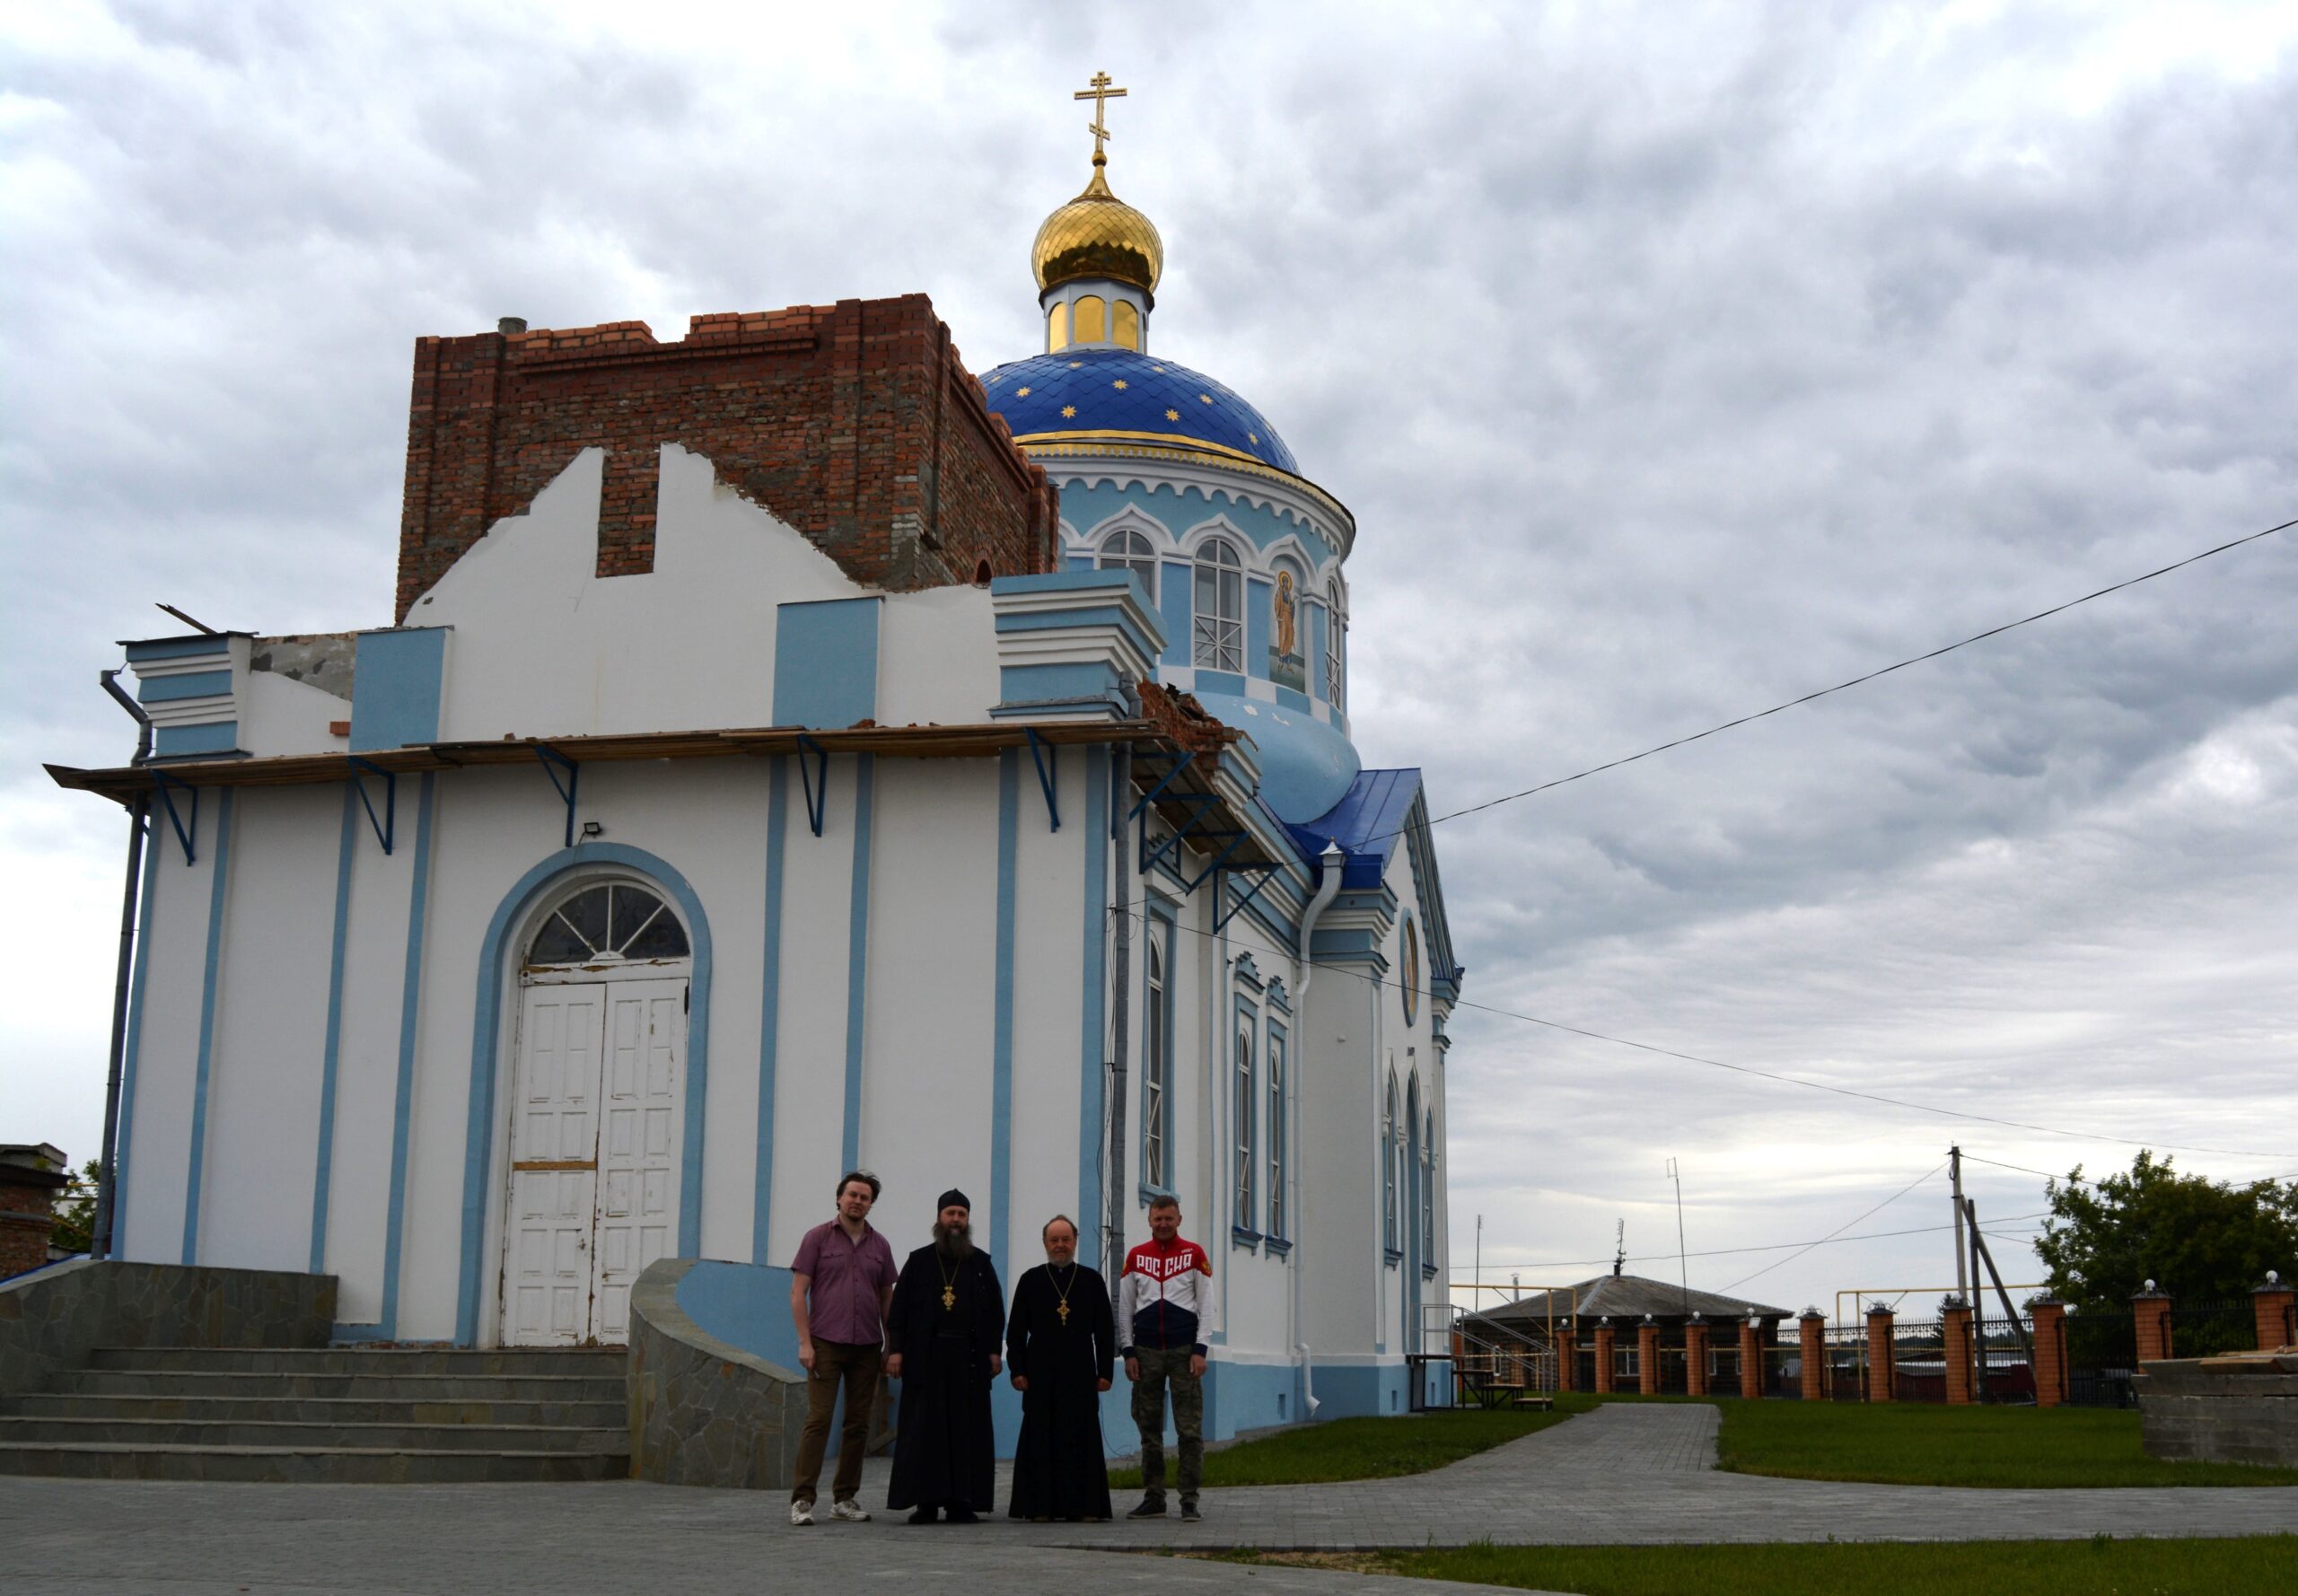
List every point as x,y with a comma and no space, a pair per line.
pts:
1919,1443
2099,1567
1365,1448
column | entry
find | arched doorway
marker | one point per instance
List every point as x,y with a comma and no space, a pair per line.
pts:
597,1111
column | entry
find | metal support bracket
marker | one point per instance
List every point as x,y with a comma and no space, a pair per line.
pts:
817,783
1236,838
1221,918
163,781
387,826
1179,765
550,757
1046,758
1196,804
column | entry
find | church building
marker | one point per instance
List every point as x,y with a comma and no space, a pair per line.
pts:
788,752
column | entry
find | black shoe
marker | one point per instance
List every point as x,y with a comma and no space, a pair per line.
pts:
1152,1507
926,1515
1189,1515
964,1515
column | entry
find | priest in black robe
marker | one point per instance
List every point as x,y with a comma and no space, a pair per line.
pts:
941,1343
1061,1349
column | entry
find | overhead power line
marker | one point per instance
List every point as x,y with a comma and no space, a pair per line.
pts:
1135,912
1661,1257
1854,681
2072,1180
1845,1225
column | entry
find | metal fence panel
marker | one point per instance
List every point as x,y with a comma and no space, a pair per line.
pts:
2101,1353
2211,1329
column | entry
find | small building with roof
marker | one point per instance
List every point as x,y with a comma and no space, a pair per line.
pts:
1618,1331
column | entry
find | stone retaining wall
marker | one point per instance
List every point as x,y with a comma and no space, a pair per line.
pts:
52,1320
2221,1410
703,1411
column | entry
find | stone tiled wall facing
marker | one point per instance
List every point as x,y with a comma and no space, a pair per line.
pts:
53,1319
703,1411
856,423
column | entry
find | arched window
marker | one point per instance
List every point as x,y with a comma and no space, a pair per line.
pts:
1428,1190
1336,623
1125,549
609,923
1244,1112
1275,1131
1154,1065
1091,318
1220,629
1389,1170
1057,328
1127,330
1409,974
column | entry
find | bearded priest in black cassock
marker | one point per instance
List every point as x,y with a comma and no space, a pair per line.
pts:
1061,1346
941,1342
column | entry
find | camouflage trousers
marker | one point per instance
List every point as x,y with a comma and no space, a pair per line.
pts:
1160,1367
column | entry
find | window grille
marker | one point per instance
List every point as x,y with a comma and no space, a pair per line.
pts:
1336,624
1154,1067
1128,550
1220,619
1277,1149
1244,1218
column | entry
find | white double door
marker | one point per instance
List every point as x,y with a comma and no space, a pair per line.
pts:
595,1132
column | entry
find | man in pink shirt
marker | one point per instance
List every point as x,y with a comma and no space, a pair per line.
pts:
841,1282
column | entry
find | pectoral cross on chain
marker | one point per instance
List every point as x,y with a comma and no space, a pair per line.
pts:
949,1298
1062,1309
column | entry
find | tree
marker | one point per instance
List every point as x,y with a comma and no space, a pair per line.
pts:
74,1215
2198,1239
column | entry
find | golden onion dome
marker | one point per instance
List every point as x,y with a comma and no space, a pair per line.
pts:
1098,235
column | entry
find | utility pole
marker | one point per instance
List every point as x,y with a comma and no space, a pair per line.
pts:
1683,1270
1955,1176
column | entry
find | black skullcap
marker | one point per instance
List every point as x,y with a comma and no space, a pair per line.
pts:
954,1198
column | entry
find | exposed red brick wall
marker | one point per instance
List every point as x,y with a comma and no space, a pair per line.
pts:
856,423
26,1217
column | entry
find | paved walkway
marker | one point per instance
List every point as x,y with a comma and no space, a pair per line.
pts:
1622,1474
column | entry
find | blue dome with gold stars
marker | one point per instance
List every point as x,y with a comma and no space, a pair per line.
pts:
1120,396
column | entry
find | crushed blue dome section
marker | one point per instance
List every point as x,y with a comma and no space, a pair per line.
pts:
1304,764
1367,822
1122,390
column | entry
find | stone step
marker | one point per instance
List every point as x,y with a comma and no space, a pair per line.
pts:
339,1410
144,1433
202,1382
291,1465
592,1362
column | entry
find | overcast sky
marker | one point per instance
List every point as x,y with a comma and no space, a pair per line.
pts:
1675,360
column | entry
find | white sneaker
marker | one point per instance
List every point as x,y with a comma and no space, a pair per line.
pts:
801,1513
852,1512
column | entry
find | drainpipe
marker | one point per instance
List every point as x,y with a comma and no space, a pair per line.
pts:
99,1238
1328,866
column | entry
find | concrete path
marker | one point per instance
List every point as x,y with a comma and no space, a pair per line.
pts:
1622,1474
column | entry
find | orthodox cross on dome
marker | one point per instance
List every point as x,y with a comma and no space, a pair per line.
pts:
1100,93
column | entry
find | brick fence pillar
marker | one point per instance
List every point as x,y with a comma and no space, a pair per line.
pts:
1955,1347
1812,1333
1696,1356
1751,1359
1568,1357
2278,1322
1605,1336
1882,1355
2050,1316
1647,1358
2150,1315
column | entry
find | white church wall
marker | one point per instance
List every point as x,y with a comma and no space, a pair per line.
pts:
1050,1071
810,1047
926,1061
270,1033
366,1072
938,660
171,962
281,716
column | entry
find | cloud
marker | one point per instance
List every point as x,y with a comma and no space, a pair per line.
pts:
1676,361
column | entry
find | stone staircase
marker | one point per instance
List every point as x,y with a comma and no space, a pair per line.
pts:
337,1415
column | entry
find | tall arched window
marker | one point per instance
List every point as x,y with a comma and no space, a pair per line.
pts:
1336,623
1127,330
1276,1137
1056,329
1428,1191
1219,628
1152,1066
1125,549
1389,1170
1244,1113
1090,315
610,922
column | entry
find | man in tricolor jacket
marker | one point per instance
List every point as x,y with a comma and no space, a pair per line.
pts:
1164,1309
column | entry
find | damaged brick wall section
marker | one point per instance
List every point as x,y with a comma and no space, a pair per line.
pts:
856,423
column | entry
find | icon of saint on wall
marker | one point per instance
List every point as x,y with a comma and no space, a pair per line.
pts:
1288,610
